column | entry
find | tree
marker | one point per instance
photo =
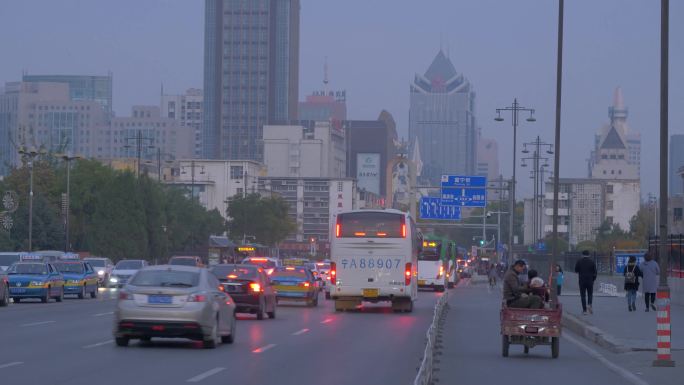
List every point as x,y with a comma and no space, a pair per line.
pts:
266,219
640,226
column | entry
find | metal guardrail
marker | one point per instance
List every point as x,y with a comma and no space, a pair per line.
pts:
425,371
608,288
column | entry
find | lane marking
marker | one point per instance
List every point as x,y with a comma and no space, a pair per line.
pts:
328,320
263,348
299,333
98,344
101,314
38,323
624,373
206,374
3,366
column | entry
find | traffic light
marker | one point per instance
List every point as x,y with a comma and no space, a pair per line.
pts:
482,242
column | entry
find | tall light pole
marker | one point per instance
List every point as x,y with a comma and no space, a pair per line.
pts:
515,108
139,139
664,357
30,154
192,176
68,157
536,159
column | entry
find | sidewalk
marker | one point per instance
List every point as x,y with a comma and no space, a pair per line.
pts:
617,329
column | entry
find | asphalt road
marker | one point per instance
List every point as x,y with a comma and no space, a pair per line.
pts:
472,350
71,343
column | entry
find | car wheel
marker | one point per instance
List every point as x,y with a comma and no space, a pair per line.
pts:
16,300
46,297
229,339
261,310
121,341
4,301
505,343
555,347
60,297
214,339
81,295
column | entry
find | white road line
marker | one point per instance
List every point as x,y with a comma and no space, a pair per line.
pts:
624,373
263,348
300,332
98,344
206,374
3,366
38,323
101,314
327,321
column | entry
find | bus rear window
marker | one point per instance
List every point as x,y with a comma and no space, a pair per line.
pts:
431,251
371,225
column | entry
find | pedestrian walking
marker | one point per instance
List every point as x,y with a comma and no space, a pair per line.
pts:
632,274
559,279
650,272
586,272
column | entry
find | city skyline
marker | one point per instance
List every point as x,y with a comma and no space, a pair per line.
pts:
596,60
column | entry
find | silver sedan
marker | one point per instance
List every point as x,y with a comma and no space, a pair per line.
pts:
174,302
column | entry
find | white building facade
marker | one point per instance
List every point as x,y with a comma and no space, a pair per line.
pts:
188,110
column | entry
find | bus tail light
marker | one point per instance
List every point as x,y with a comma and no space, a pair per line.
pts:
403,227
441,271
333,273
407,274
338,227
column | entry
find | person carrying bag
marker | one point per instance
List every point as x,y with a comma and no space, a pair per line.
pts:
631,275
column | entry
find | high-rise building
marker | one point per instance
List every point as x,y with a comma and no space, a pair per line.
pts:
324,106
488,163
442,119
676,161
82,88
251,73
187,110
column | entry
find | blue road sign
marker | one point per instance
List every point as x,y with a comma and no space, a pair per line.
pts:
430,208
464,181
465,191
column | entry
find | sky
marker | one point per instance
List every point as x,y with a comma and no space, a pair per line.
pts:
374,48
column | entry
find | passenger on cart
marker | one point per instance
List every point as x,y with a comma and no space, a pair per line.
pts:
537,285
518,295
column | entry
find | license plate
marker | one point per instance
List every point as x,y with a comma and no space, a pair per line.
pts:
421,282
287,284
370,293
18,291
531,329
232,288
160,299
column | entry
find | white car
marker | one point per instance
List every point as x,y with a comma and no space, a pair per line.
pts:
124,270
103,267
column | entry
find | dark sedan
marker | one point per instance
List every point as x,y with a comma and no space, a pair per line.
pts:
250,288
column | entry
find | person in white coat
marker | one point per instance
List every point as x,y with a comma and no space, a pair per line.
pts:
650,272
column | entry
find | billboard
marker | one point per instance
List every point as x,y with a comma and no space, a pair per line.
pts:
368,172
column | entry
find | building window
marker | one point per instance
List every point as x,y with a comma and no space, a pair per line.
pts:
340,186
677,214
609,205
236,172
239,191
609,220
609,189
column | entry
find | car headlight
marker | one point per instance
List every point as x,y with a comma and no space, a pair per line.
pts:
113,280
74,281
100,272
37,283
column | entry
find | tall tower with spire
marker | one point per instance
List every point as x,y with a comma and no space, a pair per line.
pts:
442,120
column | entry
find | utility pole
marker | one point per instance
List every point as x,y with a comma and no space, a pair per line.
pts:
192,176
139,140
31,154
515,108
68,157
538,168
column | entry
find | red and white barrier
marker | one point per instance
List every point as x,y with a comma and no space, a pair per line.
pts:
664,330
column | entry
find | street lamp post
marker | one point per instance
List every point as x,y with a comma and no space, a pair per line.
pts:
515,108
139,139
31,154
192,176
536,159
68,157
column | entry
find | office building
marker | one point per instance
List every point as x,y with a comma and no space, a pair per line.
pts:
488,164
324,106
311,150
82,88
442,119
187,109
251,69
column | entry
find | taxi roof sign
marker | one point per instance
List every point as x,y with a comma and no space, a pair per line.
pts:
70,257
31,257
246,248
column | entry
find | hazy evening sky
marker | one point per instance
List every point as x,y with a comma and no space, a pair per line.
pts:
374,47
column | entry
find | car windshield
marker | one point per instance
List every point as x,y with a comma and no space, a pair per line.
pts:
28,268
96,262
183,261
64,267
234,272
7,260
128,265
166,278
289,275
263,262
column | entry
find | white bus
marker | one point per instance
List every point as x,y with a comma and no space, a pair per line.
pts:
374,258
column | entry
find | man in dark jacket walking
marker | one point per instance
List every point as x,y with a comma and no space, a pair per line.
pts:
586,271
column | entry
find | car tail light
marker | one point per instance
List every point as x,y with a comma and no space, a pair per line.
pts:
338,228
197,298
126,325
407,274
221,288
333,273
254,287
304,284
125,296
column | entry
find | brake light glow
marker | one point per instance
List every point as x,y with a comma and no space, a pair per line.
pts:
403,227
289,268
125,296
258,260
441,271
232,276
338,228
360,234
381,234
197,298
333,273
305,284
407,274
255,287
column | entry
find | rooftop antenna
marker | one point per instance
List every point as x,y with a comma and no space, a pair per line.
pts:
325,75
